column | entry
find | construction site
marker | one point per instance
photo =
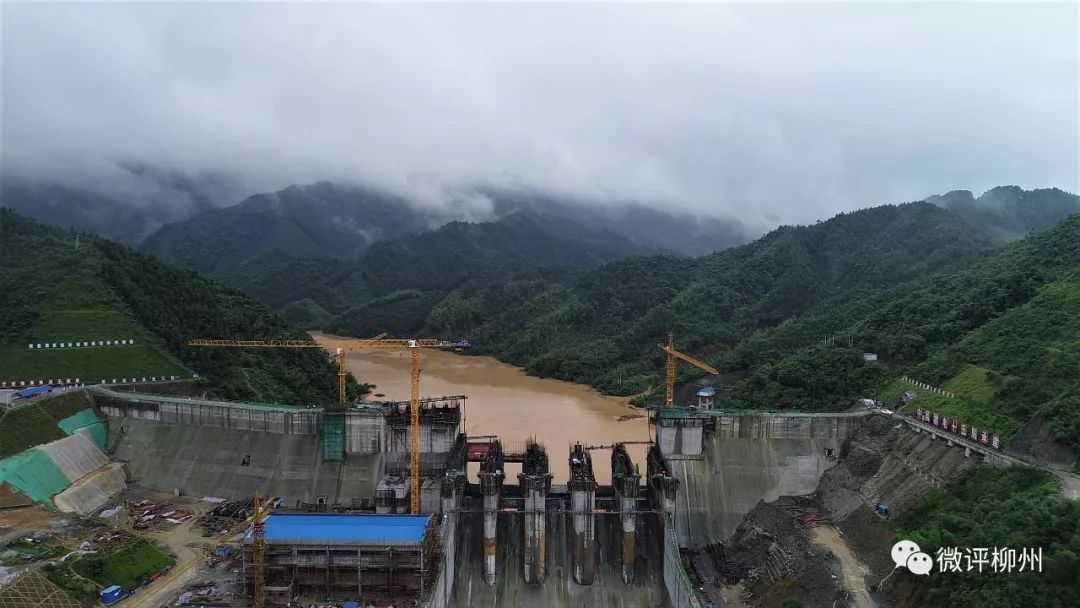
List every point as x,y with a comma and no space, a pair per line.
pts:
393,504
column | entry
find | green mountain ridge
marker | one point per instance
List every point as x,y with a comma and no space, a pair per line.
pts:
103,290
135,201
304,250
318,220
400,281
1000,332
1010,212
602,328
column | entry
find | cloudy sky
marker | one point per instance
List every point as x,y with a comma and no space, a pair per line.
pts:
777,112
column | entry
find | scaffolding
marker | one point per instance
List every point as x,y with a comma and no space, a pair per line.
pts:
333,436
384,573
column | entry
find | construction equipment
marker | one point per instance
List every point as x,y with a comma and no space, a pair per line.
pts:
614,445
341,345
347,345
258,551
672,355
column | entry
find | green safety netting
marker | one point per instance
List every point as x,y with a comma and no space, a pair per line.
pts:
35,474
85,419
333,437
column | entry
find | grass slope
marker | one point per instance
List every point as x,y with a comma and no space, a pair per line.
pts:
54,293
128,567
1010,368
25,426
103,290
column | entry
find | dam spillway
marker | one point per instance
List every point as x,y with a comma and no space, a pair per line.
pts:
607,587
529,543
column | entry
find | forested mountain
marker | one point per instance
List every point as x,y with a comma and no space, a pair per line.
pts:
788,317
642,225
1001,333
301,249
602,328
319,220
399,281
1010,212
136,203
60,286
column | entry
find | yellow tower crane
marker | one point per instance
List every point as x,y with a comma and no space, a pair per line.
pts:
258,550
342,346
672,355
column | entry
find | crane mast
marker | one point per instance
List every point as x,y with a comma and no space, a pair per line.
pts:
258,552
414,432
342,346
672,356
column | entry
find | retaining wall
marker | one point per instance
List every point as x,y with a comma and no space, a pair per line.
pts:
75,455
47,470
681,592
93,491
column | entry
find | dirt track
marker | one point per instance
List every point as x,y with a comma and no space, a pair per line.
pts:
854,572
187,544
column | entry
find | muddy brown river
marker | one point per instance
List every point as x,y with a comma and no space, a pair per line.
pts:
504,401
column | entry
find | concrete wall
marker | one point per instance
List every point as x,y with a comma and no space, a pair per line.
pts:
716,492
681,593
438,438
203,460
204,413
680,438
364,433
786,426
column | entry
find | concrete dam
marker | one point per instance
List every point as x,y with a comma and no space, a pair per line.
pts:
725,462
508,537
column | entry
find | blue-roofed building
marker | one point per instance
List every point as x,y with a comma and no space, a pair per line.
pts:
382,559
346,529
34,391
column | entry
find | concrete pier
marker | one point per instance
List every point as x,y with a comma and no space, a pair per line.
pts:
582,487
679,433
492,475
535,482
662,486
452,490
626,479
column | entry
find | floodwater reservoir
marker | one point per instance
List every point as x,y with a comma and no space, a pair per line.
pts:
504,401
